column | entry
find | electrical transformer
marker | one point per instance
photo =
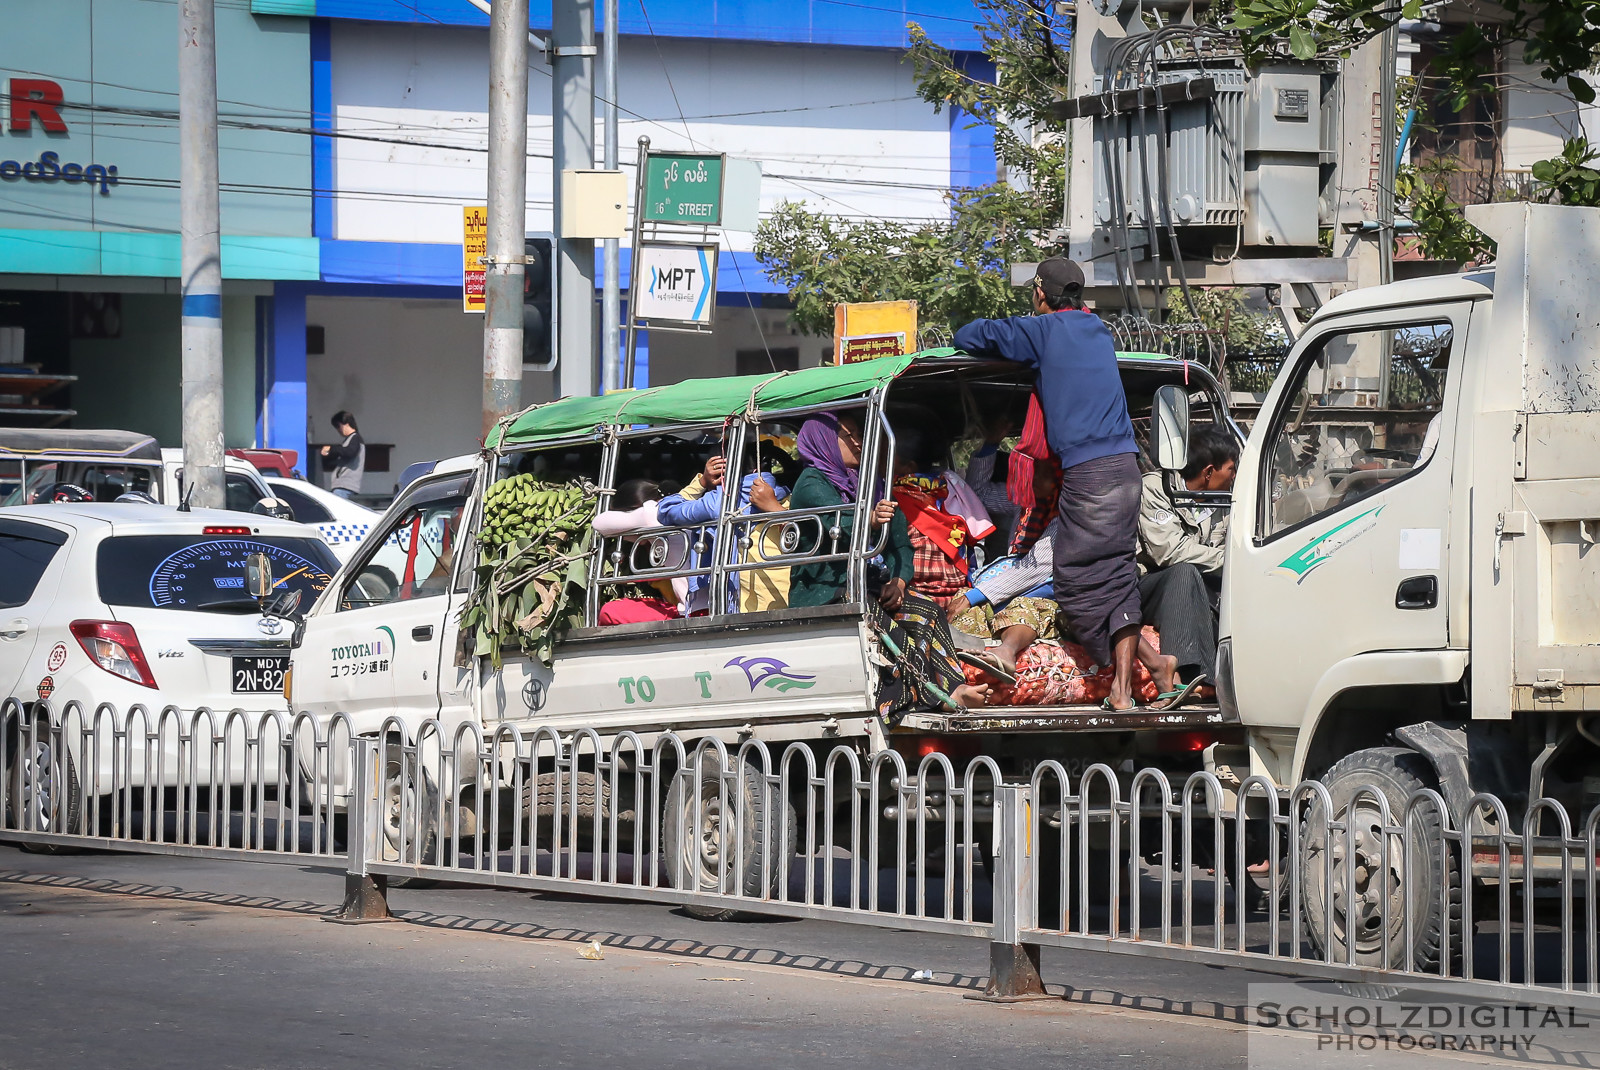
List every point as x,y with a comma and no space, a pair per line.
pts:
1221,156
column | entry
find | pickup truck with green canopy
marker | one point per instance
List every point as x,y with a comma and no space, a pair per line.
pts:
477,599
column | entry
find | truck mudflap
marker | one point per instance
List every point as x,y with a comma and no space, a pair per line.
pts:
1068,719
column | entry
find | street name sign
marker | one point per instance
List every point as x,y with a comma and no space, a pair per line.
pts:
683,188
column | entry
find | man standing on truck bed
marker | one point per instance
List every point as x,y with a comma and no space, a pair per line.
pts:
1087,425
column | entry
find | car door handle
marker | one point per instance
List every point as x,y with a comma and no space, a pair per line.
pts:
1417,592
422,633
15,629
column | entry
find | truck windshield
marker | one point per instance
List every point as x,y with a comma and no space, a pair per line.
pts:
204,572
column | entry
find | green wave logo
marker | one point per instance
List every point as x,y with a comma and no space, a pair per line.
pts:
1316,553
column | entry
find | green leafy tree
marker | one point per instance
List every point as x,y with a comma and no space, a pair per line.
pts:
958,269
1561,37
1569,178
1442,230
1222,309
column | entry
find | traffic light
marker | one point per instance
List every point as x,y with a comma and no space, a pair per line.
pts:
538,289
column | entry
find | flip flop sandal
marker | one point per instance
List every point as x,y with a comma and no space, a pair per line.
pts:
1105,704
993,668
1171,700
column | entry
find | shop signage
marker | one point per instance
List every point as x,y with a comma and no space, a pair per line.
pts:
37,100
683,188
863,330
870,346
677,283
474,247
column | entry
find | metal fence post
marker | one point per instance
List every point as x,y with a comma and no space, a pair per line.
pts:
366,895
1014,965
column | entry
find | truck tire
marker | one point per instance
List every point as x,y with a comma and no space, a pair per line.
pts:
1414,886
692,853
402,782
42,791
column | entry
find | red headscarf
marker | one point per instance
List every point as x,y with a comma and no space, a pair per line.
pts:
1032,450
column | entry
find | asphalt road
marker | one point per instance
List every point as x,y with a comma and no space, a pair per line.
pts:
134,961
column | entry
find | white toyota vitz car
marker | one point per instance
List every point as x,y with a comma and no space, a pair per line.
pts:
146,605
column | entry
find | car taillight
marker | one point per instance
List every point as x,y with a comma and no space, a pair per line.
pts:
115,648
224,529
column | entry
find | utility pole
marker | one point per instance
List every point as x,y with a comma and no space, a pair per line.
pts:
1387,164
1360,168
611,303
572,53
505,262
201,264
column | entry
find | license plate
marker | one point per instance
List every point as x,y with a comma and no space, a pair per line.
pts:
259,675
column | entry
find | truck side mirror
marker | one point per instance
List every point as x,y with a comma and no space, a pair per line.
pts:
1170,427
258,576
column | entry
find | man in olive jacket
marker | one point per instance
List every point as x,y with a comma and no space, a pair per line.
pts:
1180,553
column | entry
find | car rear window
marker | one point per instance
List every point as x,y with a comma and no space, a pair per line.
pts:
26,550
206,572
307,509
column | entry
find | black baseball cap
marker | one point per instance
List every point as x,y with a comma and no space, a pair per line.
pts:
1057,276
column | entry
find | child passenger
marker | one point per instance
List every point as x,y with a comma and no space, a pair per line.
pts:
634,508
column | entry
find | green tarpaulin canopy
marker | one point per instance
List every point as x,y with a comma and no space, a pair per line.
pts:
699,400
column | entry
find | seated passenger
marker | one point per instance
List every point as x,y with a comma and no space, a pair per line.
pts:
924,672
1012,601
633,509
944,520
700,503
1180,554
986,475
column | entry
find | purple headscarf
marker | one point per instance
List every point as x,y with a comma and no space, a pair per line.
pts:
818,444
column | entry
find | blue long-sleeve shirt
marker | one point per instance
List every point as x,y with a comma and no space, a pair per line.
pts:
677,511
1080,388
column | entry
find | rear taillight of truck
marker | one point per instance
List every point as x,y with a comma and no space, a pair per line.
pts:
114,647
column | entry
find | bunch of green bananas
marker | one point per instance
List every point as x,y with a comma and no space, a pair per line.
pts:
521,507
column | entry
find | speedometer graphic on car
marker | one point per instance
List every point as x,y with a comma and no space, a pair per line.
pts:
209,573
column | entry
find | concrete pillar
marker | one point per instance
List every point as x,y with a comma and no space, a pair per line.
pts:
282,372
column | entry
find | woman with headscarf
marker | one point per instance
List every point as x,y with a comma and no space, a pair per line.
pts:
925,672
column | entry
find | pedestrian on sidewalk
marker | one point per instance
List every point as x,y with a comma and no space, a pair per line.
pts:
348,460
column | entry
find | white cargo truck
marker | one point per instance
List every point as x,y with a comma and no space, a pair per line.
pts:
1412,590
1411,599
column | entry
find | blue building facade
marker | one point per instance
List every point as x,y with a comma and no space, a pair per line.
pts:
356,137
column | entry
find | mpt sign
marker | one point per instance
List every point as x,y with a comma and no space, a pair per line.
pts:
678,283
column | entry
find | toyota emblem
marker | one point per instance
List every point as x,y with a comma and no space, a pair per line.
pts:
533,695
269,625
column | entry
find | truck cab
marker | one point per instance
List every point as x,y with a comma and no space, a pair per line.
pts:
1410,596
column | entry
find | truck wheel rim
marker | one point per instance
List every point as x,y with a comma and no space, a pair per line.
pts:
1379,865
704,846
399,795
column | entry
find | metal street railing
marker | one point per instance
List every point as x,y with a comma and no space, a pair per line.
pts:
1359,887
260,787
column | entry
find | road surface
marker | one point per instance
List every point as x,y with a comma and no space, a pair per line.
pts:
135,961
